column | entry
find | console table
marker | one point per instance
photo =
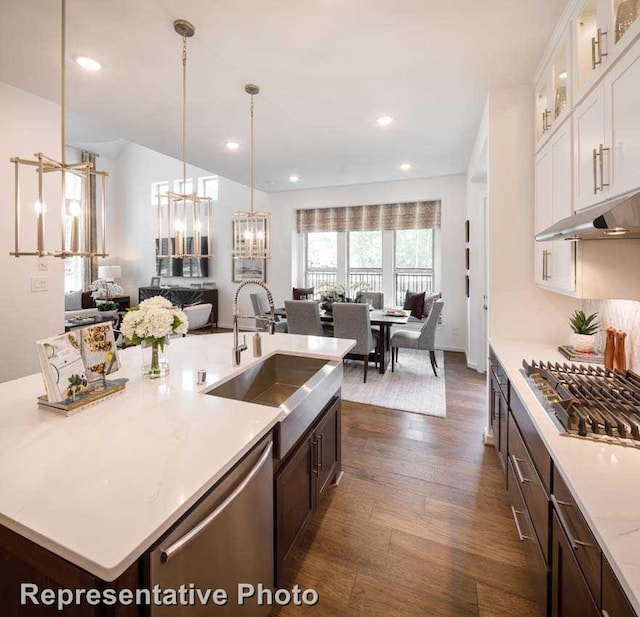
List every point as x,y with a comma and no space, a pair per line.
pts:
184,296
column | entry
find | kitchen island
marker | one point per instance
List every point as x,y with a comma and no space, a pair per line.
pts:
589,480
100,487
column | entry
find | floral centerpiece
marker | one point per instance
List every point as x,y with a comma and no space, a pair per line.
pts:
339,293
150,324
103,291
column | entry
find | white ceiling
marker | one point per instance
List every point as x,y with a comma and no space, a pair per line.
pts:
327,69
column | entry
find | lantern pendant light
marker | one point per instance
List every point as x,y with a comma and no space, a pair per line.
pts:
184,217
79,222
251,230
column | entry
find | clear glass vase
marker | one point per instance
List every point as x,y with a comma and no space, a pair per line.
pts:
155,362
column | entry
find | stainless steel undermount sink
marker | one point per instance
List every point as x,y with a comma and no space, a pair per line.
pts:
298,385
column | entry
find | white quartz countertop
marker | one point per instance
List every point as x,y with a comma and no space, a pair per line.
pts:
100,487
603,478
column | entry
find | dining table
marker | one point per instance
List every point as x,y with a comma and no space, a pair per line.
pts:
382,318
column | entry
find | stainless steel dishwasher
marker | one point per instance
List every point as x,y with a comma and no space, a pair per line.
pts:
225,540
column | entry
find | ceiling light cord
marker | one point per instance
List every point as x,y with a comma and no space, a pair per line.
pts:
63,86
253,154
184,113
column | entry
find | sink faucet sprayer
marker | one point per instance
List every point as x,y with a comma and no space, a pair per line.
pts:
271,320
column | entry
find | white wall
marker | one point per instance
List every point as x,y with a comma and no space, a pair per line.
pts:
518,309
28,124
135,223
450,272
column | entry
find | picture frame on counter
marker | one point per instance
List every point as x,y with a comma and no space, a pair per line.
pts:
155,281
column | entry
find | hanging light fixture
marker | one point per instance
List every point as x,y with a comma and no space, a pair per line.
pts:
184,215
251,229
78,223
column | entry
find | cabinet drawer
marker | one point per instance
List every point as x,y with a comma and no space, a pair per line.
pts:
537,567
614,599
530,436
499,376
583,543
535,496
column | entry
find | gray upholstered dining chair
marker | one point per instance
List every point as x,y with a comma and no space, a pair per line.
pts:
352,320
423,339
261,309
376,298
303,317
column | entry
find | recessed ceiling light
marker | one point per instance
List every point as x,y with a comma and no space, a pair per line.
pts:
405,166
232,145
88,63
294,178
384,120
563,75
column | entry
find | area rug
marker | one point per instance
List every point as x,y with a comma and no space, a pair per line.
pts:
412,387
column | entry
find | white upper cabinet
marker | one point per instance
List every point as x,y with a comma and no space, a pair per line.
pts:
590,150
553,91
554,261
602,30
622,98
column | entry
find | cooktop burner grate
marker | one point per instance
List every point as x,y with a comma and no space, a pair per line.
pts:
590,401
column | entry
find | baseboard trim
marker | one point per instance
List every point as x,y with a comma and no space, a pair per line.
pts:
487,437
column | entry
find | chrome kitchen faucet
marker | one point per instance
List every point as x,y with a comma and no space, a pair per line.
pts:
271,320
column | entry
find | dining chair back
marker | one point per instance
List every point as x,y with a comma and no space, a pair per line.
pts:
303,293
423,340
261,309
375,298
303,317
352,321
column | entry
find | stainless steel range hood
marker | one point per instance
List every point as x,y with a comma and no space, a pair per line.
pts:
617,218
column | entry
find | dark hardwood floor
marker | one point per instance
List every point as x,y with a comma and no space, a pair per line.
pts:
420,523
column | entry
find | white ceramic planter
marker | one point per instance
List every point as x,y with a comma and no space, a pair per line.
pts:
584,343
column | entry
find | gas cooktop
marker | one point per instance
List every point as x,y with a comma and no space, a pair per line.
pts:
590,401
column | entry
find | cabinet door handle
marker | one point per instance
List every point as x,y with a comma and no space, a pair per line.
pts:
601,152
314,463
605,613
544,265
575,544
595,155
549,275
516,465
546,125
515,513
321,450
594,62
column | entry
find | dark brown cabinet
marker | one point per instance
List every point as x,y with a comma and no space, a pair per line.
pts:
570,594
302,478
499,419
614,600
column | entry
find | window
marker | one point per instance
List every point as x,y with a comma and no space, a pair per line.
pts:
321,267
208,187
365,260
388,261
413,263
73,266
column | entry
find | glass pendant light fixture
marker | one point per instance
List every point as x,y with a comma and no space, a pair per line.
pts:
251,233
184,217
80,224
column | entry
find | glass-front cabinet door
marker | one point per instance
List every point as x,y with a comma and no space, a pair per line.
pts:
553,91
603,29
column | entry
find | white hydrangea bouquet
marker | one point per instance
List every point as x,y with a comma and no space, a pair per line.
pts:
149,324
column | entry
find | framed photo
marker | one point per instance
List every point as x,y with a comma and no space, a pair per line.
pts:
155,281
246,269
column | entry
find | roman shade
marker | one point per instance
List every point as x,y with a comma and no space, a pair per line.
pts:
381,217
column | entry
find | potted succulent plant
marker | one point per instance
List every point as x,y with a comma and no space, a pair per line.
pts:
584,327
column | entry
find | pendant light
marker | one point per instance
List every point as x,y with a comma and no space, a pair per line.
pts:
79,222
251,233
183,216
